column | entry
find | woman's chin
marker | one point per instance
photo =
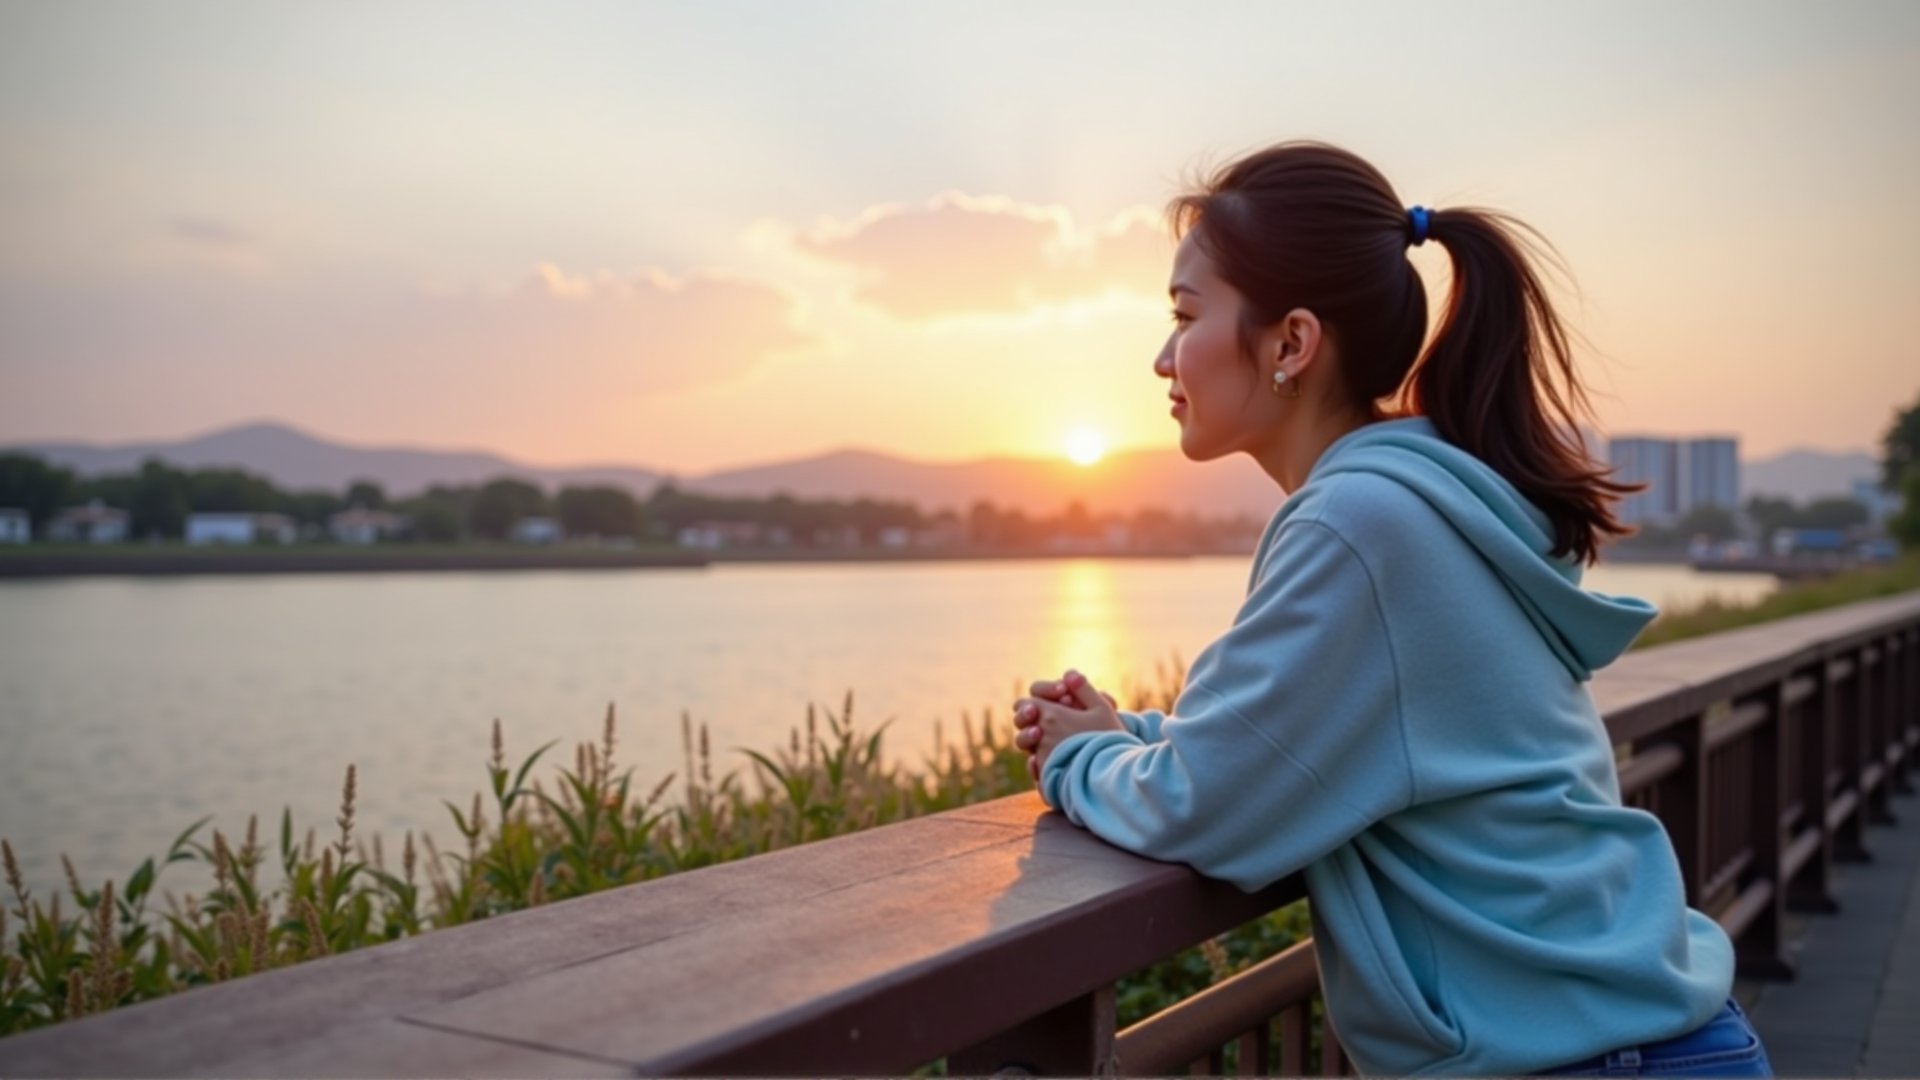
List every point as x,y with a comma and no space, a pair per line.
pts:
1196,451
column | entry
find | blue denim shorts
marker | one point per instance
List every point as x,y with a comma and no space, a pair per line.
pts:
1726,1045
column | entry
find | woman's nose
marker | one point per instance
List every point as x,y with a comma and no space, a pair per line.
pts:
1163,364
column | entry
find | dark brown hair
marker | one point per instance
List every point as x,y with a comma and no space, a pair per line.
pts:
1307,225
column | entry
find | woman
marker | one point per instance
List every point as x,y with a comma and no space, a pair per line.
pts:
1400,708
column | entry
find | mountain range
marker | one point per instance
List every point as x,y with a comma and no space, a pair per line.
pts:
1123,482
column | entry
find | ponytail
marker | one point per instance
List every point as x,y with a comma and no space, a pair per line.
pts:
1498,380
1304,224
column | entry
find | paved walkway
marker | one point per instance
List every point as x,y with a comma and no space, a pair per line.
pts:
1854,1010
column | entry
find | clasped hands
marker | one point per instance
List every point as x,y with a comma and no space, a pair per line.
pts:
1056,709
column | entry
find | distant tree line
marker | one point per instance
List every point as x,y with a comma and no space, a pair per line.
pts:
1900,472
158,497
1768,515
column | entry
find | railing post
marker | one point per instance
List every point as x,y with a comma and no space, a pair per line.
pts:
1899,672
1850,835
1075,1039
1907,706
1876,725
1811,888
1761,950
1686,813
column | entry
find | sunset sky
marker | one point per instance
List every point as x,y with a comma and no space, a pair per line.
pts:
697,235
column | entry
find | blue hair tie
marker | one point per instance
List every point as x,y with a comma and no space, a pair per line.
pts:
1420,216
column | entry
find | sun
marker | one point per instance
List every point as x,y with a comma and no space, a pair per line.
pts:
1085,446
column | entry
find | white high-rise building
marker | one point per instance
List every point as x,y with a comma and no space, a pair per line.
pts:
1710,473
1681,475
1655,463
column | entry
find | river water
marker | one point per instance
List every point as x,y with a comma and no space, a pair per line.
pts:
130,707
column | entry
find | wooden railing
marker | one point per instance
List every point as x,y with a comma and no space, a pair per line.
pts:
993,935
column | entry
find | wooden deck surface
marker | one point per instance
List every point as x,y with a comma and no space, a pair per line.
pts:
1854,1009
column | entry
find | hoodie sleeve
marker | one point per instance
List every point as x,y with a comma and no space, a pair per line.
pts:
1145,724
1286,742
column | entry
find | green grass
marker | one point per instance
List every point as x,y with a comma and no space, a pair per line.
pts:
1798,598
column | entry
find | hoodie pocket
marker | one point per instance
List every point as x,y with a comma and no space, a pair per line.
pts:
1383,1017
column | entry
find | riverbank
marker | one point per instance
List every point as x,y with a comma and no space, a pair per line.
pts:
170,561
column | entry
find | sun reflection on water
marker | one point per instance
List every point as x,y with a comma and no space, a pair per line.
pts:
1087,629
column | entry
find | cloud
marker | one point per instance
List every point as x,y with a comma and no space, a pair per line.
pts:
649,333
199,242
551,354
966,255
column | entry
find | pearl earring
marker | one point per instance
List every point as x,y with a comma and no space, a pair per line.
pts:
1280,380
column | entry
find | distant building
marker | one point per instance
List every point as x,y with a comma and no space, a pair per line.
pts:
357,526
207,529
714,535
1710,473
1788,543
949,533
845,536
94,523
1682,475
895,537
1655,463
15,526
536,530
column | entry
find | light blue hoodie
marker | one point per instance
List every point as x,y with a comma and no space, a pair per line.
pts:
1400,709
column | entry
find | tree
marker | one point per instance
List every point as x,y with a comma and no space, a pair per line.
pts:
1769,514
1901,447
436,521
439,514
1077,522
159,501
1905,526
1713,522
309,507
1835,512
112,489
870,517
31,484
672,508
598,511
983,524
230,491
500,503
367,495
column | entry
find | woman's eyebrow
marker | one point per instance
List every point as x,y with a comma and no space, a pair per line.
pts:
1174,290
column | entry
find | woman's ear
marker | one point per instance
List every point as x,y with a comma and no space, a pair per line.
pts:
1294,343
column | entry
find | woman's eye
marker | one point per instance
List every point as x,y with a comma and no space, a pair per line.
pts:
1180,319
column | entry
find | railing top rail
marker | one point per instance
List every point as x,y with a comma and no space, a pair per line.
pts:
871,951
1651,688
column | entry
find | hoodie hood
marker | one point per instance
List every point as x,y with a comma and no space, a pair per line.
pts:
1586,630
